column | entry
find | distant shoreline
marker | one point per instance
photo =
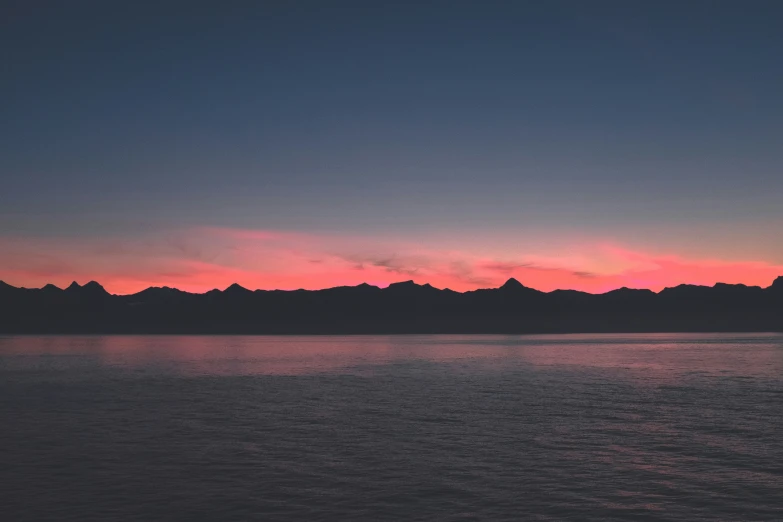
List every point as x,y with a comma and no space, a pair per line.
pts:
401,309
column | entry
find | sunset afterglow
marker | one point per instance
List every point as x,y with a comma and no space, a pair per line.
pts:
202,259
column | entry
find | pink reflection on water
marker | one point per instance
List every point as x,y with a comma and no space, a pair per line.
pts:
662,357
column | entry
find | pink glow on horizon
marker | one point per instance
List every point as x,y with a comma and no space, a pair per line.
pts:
203,259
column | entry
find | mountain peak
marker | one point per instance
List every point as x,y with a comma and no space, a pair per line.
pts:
366,286
512,284
91,288
236,288
777,284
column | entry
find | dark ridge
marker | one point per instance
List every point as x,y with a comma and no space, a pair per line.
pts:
158,291
409,288
739,286
403,284
563,291
8,290
625,291
404,307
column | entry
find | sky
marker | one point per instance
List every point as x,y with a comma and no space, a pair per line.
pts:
568,144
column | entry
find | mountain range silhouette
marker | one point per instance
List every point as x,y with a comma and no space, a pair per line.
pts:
404,307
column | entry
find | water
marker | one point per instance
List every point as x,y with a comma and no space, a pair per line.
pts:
643,427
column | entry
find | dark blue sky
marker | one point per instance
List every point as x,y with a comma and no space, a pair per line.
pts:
651,122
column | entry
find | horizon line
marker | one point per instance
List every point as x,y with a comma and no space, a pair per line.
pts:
510,282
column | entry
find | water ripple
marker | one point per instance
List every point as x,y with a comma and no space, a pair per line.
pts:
660,427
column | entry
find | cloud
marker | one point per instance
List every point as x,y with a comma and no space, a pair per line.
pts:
501,267
391,265
463,272
509,269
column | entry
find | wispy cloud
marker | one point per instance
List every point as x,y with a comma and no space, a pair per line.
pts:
391,264
509,269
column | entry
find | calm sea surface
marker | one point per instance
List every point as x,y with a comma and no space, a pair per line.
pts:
573,427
